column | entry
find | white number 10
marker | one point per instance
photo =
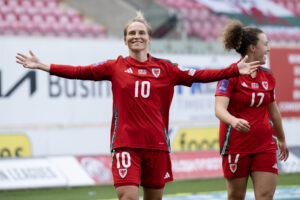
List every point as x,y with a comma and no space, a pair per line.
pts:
145,89
253,99
124,155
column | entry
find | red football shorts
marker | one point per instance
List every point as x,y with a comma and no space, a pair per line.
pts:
145,167
241,165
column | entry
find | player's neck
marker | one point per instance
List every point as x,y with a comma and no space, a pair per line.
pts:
253,74
140,55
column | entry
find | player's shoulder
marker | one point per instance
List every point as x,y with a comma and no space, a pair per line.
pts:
268,74
115,61
162,60
266,70
118,59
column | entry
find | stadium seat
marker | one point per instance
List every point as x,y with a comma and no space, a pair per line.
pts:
44,17
197,20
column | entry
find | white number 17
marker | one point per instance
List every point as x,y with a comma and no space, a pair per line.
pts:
253,99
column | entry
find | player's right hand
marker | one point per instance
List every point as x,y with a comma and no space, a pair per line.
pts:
31,62
241,125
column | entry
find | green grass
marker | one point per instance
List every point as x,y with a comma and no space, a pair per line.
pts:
108,192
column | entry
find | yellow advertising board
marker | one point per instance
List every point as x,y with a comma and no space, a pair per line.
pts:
14,145
194,139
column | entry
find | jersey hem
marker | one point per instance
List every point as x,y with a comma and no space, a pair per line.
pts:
250,152
138,147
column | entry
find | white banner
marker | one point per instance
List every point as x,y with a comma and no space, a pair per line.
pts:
46,172
29,173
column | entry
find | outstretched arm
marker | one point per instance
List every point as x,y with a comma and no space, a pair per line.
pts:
210,75
32,62
89,72
221,112
277,121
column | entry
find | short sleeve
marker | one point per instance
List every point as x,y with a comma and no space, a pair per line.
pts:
272,81
224,88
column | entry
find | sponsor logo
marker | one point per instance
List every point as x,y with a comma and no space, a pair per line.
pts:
123,172
275,166
129,71
195,139
167,175
156,72
265,84
96,169
233,167
30,77
142,71
244,84
254,85
14,146
223,86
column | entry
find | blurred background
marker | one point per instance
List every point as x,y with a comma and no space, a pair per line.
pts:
55,132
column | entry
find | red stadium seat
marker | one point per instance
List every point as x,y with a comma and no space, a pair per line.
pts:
44,17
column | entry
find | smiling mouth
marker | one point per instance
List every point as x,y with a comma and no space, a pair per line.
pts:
137,42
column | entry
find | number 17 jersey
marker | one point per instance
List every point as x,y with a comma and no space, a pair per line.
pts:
249,100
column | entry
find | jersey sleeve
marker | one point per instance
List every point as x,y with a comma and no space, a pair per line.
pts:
273,97
187,76
182,75
210,75
96,72
225,88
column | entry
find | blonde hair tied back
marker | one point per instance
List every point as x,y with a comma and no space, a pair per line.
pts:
139,18
139,15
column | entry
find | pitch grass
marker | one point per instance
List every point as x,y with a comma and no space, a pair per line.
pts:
108,192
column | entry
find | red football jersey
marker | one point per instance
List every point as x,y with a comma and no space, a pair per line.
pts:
249,99
142,95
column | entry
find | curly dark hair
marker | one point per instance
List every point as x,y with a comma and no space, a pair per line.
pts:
236,36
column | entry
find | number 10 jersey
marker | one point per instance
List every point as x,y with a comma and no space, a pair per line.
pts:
142,95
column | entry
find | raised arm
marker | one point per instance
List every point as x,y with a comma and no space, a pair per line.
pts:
277,125
221,112
32,62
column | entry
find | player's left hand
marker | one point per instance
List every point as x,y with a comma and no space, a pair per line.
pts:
284,150
247,68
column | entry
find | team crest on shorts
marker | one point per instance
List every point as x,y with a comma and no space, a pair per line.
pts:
233,167
156,72
123,172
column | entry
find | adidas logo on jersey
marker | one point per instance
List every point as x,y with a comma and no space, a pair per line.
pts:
244,84
129,71
167,175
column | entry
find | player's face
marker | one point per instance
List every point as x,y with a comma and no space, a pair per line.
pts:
261,48
137,38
